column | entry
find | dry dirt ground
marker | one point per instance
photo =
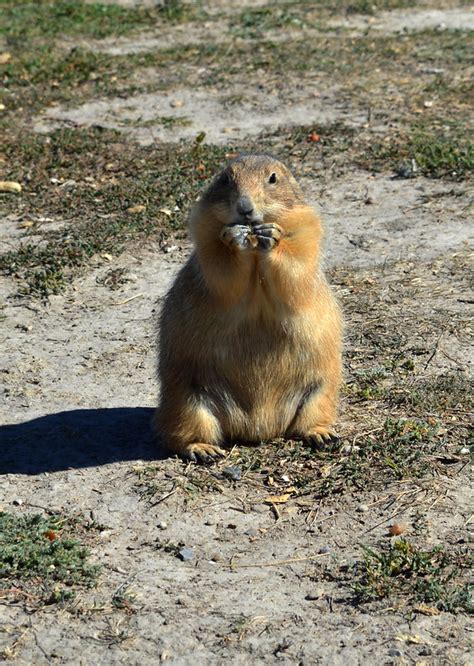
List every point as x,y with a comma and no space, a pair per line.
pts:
276,541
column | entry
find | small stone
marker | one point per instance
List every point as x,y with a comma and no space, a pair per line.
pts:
18,502
314,595
465,450
285,478
395,652
404,171
362,508
347,449
234,473
186,554
163,525
324,550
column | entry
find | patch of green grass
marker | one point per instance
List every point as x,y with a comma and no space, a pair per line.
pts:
52,18
359,58
401,449
421,149
172,121
254,22
435,153
176,11
369,6
106,182
402,570
40,560
436,394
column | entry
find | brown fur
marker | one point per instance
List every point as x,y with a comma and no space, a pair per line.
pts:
250,332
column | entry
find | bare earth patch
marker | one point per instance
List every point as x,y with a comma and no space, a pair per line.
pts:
186,112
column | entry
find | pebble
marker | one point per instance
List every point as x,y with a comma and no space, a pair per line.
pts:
18,502
465,450
314,595
349,448
186,554
405,171
163,525
324,550
395,652
362,508
234,473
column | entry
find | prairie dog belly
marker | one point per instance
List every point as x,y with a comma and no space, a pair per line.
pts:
260,380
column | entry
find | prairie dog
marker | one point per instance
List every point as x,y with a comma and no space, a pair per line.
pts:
250,332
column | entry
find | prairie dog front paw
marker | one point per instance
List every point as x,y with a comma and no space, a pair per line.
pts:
236,236
266,236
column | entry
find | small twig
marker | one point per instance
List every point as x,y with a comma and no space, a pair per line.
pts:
277,563
127,300
393,515
366,432
420,205
454,360
433,353
50,512
276,513
164,497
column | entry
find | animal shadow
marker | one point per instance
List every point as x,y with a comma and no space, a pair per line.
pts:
78,438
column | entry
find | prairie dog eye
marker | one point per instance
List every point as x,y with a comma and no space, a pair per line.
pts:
273,178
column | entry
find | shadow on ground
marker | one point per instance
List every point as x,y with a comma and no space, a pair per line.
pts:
78,438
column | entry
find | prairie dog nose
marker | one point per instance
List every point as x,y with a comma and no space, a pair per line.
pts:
245,206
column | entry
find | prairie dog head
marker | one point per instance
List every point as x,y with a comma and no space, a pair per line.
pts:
251,190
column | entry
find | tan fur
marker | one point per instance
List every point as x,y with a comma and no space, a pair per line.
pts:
250,336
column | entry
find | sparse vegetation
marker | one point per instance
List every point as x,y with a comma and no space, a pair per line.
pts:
41,560
171,179
48,18
412,575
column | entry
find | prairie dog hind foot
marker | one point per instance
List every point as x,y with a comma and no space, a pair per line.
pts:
199,451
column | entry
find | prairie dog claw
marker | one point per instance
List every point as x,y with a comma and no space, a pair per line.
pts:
201,452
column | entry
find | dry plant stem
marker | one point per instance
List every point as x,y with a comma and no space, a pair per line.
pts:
277,563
